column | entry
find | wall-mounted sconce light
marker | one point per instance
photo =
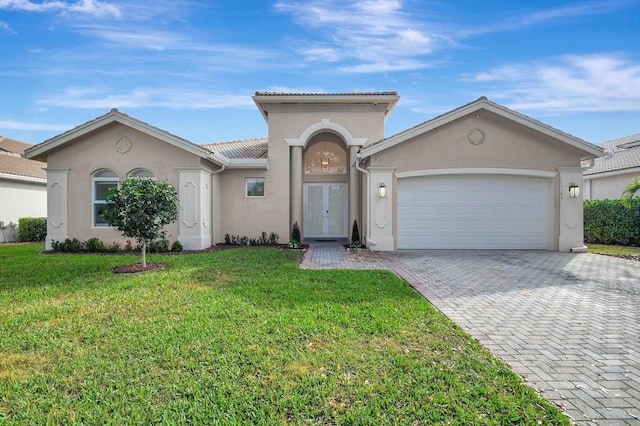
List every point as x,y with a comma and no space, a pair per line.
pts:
382,190
574,190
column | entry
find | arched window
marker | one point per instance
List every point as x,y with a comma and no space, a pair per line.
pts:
102,181
325,157
142,173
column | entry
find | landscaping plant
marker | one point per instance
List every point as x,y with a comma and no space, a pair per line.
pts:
140,209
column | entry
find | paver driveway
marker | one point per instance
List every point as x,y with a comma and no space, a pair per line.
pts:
569,324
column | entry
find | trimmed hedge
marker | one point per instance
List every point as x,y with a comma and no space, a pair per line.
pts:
32,229
610,222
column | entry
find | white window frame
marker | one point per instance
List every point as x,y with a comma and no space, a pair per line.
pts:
134,173
254,180
94,201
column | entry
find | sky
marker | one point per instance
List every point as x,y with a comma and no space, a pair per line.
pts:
191,67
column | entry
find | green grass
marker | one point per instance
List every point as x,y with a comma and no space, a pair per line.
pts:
237,337
601,248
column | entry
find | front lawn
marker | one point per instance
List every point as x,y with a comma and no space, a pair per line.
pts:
614,250
240,336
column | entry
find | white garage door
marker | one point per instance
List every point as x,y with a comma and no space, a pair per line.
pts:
473,211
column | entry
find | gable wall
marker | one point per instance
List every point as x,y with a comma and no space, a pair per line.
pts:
506,145
97,151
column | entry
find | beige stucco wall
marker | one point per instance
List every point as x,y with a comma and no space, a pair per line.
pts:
249,216
506,145
98,151
607,187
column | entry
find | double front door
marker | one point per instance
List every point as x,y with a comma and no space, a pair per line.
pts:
325,210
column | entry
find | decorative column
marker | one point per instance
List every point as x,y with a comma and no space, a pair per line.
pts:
296,186
194,192
57,194
354,192
381,193
571,211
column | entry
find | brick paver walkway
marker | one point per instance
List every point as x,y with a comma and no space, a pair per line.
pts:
569,324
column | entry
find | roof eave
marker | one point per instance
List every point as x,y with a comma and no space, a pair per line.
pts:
22,178
248,163
262,100
39,151
483,104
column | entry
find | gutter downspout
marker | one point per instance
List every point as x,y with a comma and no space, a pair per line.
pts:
356,164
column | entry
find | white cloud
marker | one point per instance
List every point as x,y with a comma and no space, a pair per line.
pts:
96,8
21,125
568,83
172,98
384,66
89,7
378,35
516,19
5,27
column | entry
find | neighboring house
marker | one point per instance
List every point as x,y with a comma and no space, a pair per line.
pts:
611,173
480,176
23,187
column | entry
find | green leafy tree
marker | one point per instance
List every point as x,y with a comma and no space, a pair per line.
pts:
140,209
630,191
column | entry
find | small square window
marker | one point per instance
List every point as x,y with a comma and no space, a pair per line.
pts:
255,187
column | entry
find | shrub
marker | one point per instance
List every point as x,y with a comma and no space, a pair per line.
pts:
114,247
295,233
355,236
159,246
273,239
294,242
32,229
94,245
67,246
610,222
128,247
176,246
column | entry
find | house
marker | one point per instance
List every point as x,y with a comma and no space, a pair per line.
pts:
610,173
23,187
480,176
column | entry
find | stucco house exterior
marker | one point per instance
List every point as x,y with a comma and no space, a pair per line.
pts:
609,174
23,187
480,176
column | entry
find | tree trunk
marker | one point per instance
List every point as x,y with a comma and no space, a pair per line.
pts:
144,253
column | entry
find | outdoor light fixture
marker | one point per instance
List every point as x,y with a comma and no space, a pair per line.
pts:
382,190
574,190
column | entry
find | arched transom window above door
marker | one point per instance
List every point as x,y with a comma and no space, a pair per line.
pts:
325,157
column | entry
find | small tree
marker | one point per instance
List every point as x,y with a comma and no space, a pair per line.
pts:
140,208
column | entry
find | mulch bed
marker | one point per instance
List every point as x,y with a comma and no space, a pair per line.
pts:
635,257
137,267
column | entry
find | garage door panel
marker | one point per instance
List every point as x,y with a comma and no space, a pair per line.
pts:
473,211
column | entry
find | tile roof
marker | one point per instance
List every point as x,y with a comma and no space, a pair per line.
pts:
619,154
246,148
12,162
12,145
326,94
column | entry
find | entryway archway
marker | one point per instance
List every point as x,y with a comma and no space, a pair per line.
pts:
325,177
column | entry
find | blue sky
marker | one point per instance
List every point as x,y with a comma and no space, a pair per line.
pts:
191,67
